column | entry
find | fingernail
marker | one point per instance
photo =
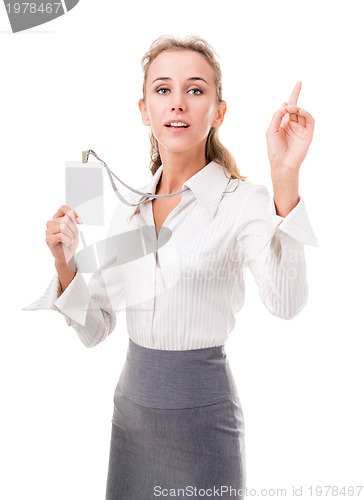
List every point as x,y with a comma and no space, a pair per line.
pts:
78,220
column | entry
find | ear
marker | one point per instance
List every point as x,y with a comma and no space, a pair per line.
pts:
144,112
220,114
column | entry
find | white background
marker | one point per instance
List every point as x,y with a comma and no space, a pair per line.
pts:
74,84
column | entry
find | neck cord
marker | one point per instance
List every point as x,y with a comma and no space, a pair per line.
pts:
146,196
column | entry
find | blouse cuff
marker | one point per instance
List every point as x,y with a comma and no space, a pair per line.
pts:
72,303
296,223
48,298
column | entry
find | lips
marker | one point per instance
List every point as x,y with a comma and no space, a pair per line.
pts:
177,130
168,124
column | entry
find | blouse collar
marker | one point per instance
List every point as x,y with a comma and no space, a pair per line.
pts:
207,185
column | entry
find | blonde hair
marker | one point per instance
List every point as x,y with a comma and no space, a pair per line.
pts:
214,150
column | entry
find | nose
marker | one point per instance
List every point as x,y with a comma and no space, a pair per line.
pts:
179,101
180,107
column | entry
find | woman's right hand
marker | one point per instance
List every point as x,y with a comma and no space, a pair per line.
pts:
62,234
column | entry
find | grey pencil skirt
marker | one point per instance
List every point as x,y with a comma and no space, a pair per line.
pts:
177,427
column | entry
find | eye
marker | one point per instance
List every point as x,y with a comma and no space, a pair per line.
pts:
198,90
193,90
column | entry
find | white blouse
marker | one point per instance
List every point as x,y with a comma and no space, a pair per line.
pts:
182,290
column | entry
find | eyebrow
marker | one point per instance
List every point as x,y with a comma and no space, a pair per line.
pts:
191,78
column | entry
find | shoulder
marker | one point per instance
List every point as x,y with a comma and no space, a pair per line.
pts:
245,201
239,191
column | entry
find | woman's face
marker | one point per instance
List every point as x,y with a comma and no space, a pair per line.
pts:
187,93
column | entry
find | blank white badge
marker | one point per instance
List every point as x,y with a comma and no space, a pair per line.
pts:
84,191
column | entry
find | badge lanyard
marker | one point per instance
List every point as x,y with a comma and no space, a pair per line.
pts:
146,196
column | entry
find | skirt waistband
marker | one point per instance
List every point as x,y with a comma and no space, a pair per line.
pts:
176,379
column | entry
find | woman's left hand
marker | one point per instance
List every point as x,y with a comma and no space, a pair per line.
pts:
289,136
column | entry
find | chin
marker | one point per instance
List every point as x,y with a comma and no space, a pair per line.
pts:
176,146
180,149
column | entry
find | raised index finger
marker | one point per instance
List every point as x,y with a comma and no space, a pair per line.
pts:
295,93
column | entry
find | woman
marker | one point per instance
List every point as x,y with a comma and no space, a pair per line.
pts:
178,421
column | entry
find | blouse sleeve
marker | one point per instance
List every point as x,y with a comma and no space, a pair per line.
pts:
272,247
90,308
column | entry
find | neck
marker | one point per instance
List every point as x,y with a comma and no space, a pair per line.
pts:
177,169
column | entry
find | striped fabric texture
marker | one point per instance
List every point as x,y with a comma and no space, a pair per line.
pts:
184,288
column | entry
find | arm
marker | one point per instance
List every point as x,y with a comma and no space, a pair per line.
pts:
91,308
274,239
65,275
272,247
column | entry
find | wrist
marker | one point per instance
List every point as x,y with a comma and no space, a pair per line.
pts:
282,175
64,267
